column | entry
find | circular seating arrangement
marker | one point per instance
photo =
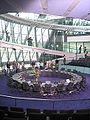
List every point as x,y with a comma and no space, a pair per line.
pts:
71,82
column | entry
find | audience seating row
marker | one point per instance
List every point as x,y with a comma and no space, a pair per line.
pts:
16,113
85,62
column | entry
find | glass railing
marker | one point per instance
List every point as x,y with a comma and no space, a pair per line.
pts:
57,104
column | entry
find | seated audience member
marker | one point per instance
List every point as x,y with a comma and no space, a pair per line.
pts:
45,65
4,69
37,64
41,65
21,66
56,64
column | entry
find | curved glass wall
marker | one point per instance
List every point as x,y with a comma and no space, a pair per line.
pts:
41,37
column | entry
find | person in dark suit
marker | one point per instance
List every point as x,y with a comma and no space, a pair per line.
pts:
8,67
64,60
85,49
80,49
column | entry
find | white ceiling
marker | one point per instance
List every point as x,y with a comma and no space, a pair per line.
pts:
68,8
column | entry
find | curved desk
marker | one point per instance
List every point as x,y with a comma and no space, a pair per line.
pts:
26,81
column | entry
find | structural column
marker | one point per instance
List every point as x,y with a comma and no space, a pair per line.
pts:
36,42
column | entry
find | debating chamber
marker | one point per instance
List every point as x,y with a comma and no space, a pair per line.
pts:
45,60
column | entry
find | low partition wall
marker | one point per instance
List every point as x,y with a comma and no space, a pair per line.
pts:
44,103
